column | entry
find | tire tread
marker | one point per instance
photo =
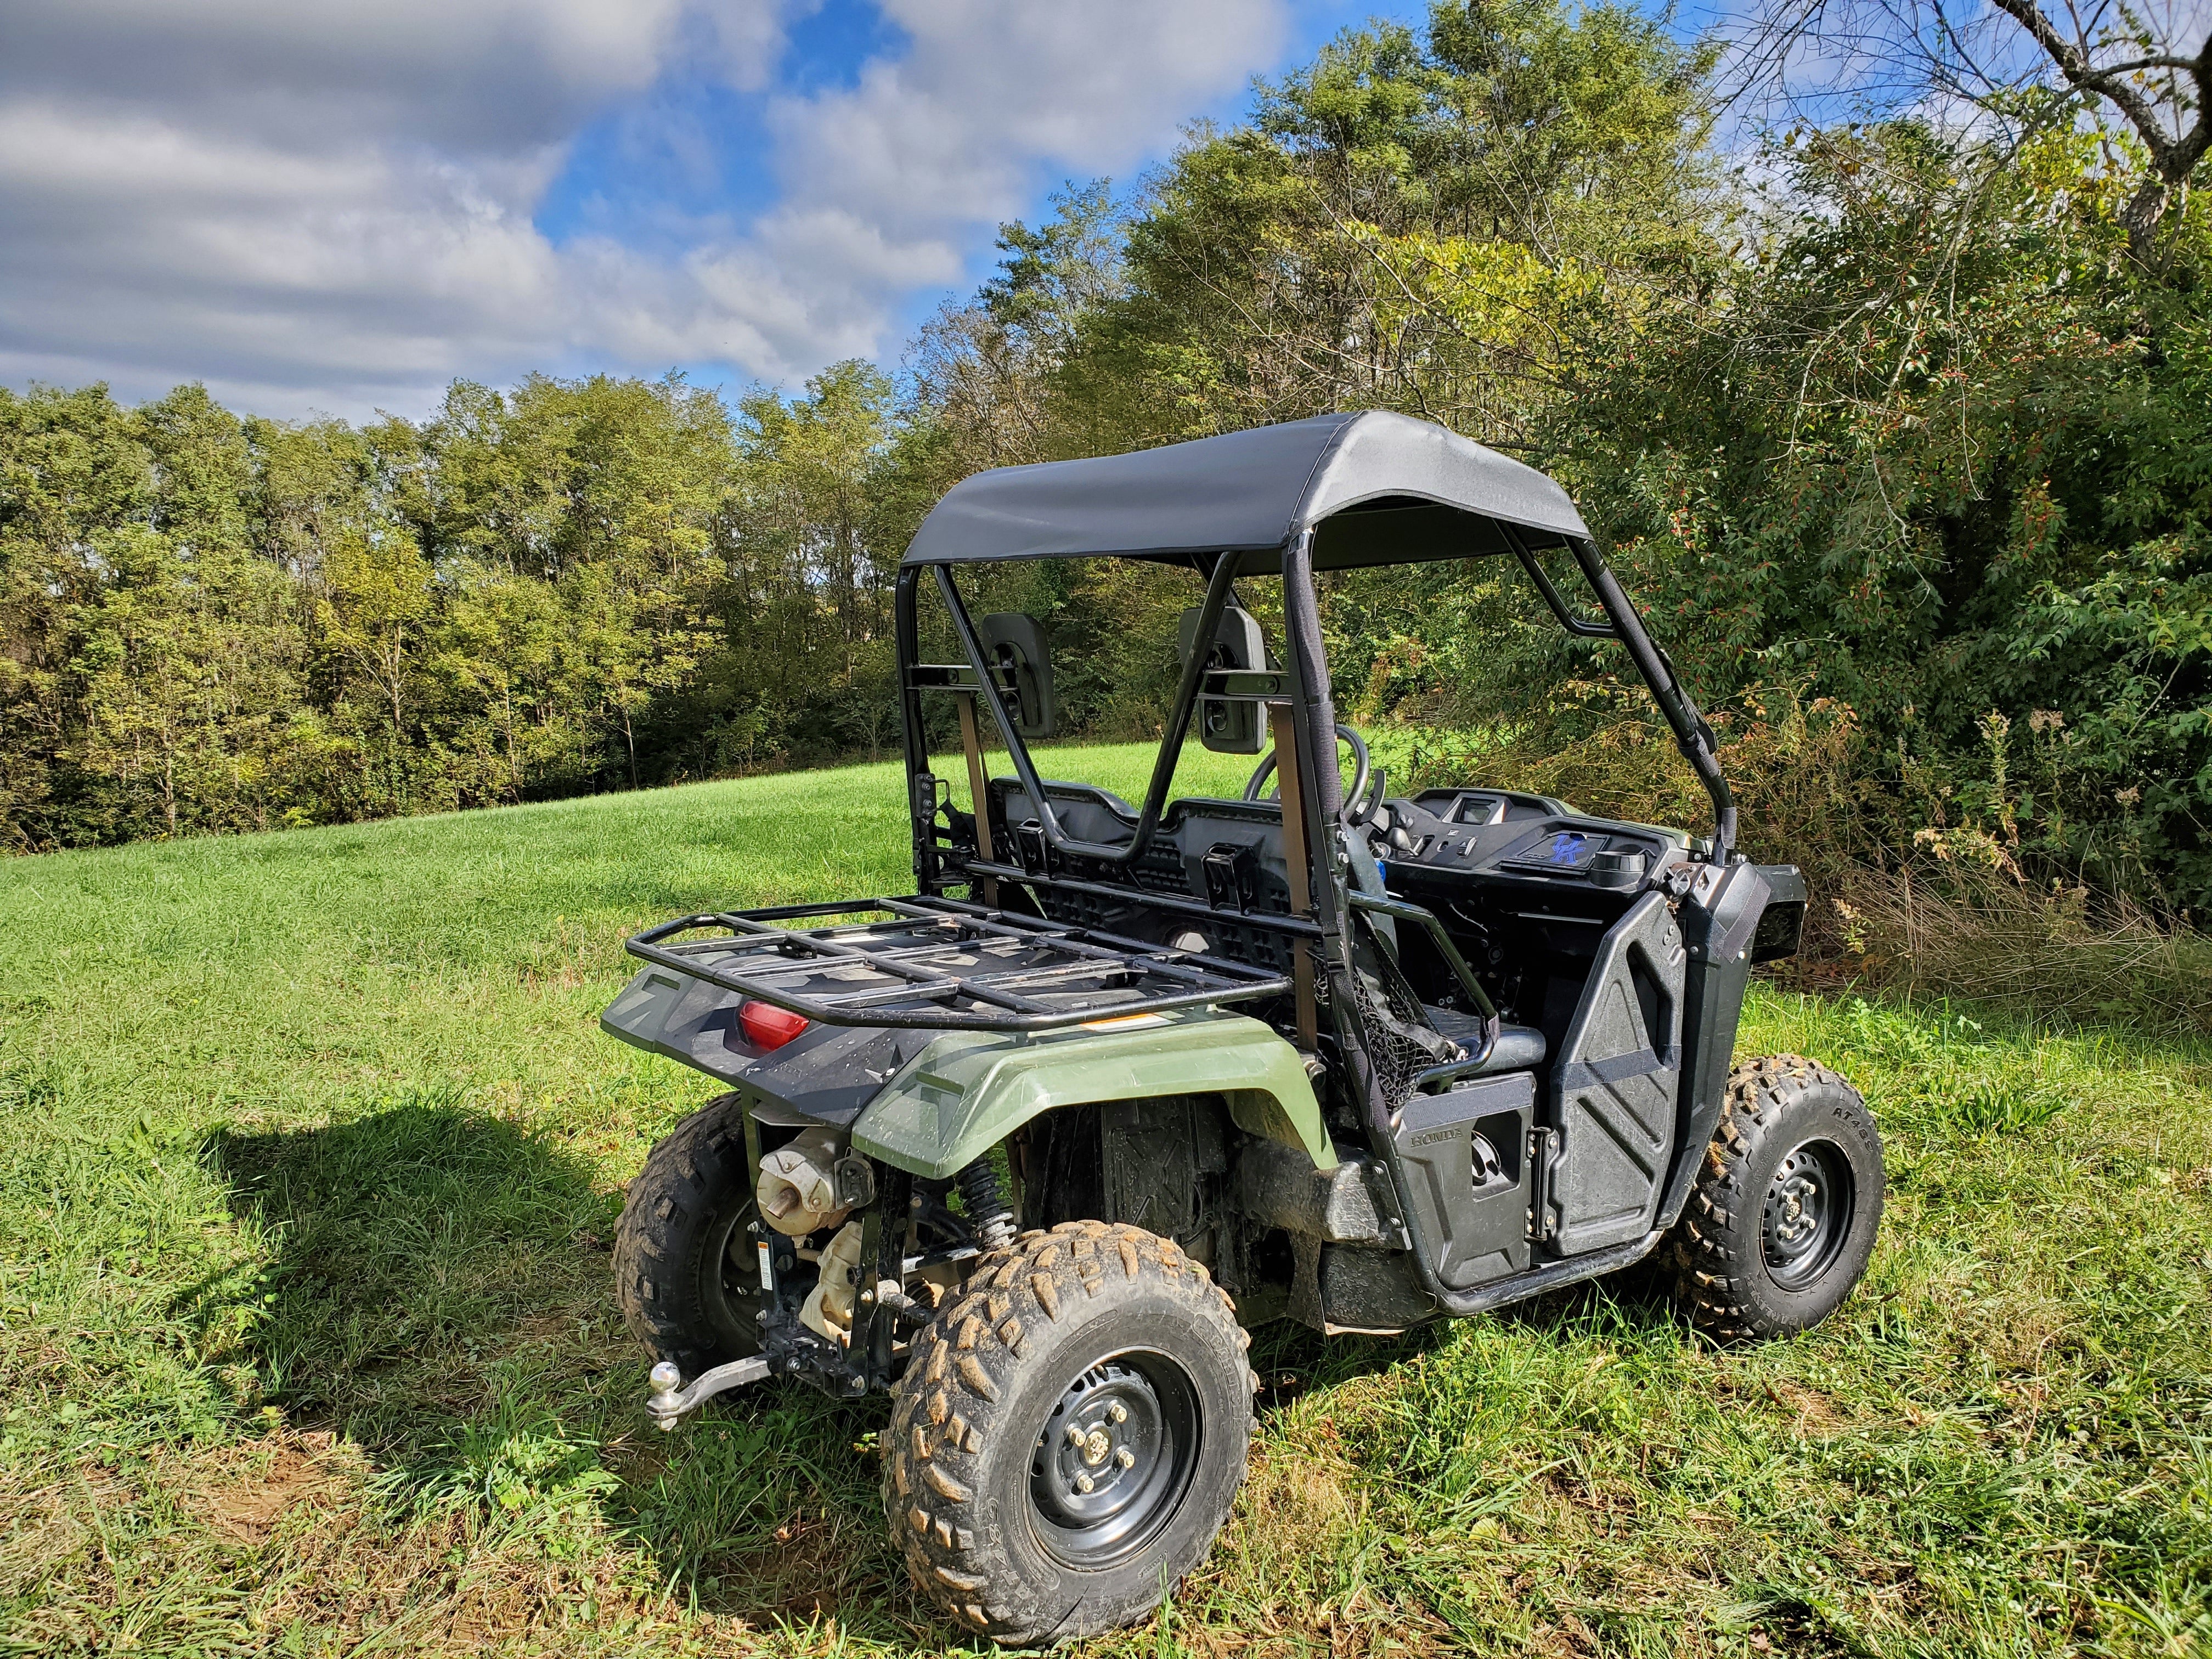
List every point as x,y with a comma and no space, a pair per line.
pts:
676,1185
1716,1242
943,1410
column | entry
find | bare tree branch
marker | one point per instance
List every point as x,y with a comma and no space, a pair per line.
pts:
1916,55
2074,63
2173,158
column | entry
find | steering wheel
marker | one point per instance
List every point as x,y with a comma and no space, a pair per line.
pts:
1359,811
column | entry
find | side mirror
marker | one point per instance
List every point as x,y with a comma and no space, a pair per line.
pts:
1021,667
1228,725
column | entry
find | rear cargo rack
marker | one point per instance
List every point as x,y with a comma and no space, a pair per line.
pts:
929,963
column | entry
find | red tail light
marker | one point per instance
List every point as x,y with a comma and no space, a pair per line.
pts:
767,1026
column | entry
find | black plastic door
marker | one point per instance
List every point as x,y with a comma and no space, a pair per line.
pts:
1617,1085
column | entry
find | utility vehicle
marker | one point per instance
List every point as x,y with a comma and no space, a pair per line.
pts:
1033,1146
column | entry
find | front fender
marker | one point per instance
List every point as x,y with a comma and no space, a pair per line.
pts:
967,1091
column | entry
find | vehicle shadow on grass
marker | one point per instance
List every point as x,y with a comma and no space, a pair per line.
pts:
1291,1361
439,1291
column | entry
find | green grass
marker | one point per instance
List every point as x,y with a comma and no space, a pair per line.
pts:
310,1152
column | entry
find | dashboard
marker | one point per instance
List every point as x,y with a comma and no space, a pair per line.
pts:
1525,885
1522,838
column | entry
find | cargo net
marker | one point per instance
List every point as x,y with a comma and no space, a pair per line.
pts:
1394,1029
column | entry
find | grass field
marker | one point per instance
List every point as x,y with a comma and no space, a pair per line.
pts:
310,1154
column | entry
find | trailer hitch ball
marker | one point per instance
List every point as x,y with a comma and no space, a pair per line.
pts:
661,1384
667,1401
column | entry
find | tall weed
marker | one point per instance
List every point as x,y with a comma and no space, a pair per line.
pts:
1974,932
1920,882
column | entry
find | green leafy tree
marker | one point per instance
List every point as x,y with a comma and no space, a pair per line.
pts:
807,607
1417,221
70,475
511,658
375,619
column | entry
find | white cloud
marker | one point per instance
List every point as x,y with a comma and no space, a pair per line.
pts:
315,204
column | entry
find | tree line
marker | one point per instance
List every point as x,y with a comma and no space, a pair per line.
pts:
215,622
1896,426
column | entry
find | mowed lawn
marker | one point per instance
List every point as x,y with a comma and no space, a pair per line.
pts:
311,1154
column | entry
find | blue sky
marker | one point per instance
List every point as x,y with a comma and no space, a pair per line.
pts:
693,145
317,205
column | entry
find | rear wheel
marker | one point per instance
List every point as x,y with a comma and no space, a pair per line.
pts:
1782,1221
686,1273
1069,1434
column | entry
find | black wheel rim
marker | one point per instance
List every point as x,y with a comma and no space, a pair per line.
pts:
1115,1458
1807,1215
732,1289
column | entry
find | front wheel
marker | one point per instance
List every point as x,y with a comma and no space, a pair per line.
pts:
1782,1221
1069,1434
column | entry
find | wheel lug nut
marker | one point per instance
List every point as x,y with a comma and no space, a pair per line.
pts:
1126,1458
1084,1482
1075,1434
1116,1411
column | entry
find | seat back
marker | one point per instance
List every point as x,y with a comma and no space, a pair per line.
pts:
1227,854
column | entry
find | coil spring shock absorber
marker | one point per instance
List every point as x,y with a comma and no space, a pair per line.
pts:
986,1206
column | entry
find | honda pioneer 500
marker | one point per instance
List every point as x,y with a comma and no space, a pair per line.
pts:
1032,1147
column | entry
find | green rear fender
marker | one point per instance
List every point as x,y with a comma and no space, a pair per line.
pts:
967,1091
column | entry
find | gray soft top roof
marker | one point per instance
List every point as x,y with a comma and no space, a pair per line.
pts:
1407,489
